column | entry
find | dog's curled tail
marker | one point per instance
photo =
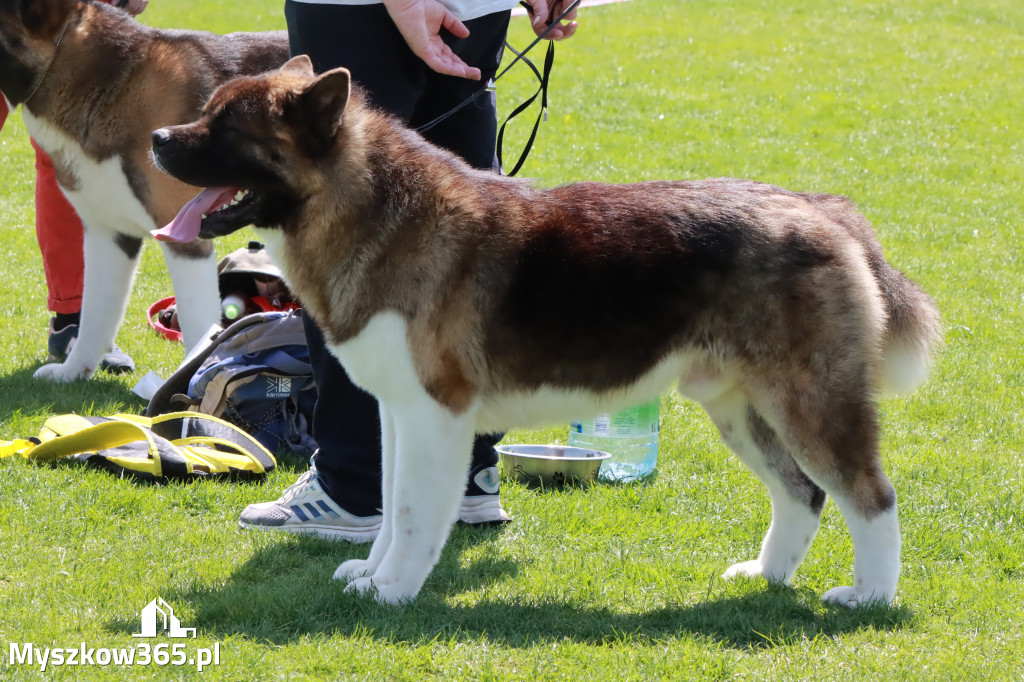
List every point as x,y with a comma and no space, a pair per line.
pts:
913,333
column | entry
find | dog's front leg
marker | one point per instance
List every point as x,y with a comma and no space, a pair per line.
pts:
358,568
432,451
193,271
110,262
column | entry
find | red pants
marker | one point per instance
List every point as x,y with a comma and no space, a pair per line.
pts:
59,232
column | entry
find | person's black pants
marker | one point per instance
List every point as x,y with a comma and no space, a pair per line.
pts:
363,39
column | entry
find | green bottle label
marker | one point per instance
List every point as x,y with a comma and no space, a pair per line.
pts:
634,422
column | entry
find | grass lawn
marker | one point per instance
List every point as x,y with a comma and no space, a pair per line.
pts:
910,107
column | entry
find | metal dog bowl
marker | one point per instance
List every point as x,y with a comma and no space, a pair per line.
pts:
551,465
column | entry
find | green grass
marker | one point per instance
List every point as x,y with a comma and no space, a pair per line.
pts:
912,108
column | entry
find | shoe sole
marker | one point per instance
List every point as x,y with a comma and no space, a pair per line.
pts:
482,509
473,511
356,537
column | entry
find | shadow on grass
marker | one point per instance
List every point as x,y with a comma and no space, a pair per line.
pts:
284,593
19,392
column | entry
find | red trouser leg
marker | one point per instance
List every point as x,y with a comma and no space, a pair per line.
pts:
59,231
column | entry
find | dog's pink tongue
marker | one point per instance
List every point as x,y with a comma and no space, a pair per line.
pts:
185,226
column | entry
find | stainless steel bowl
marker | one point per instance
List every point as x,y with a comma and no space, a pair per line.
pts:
551,465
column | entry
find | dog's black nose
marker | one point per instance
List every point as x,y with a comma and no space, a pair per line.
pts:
161,137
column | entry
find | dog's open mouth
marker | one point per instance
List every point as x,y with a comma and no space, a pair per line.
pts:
214,212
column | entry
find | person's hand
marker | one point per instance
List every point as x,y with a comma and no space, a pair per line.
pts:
545,10
420,23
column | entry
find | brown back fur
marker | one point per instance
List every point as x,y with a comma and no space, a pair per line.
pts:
510,287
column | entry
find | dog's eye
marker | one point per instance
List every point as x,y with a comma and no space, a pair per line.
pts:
228,127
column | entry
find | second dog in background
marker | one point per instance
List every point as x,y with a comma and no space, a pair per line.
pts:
92,84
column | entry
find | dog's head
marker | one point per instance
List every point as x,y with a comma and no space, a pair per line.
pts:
29,31
253,147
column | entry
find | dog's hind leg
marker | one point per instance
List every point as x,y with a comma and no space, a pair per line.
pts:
876,541
432,449
796,500
833,436
193,270
110,263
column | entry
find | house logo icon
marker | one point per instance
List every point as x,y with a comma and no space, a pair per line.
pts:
159,612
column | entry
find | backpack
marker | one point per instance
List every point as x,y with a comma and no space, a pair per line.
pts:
256,375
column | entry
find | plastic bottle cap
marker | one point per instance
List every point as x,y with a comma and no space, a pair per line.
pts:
232,311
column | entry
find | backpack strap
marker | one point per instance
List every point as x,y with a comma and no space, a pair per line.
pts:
172,394
177,383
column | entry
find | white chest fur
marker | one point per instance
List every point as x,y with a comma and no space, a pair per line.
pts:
102,196
379,359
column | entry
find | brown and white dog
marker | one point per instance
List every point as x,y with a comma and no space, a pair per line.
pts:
470,302
93,84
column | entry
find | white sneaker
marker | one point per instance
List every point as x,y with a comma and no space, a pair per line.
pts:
481,504
305,508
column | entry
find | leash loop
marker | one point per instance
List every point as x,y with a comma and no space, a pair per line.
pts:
542,90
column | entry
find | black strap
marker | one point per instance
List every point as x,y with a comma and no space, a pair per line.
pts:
542,91
472,98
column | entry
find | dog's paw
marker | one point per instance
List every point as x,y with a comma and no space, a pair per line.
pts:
852,597
353,568
359,585
393,594
62,373
746,569
385,594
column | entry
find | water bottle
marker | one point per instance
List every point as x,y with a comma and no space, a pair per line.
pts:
232,307
630,436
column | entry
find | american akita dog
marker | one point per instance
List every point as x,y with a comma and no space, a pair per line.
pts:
93,84
454,296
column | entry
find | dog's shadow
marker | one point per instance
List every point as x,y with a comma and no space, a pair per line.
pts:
284,593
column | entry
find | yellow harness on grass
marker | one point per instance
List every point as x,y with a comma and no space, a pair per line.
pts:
174,445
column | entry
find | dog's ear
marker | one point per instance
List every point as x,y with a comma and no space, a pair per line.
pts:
300,64
46,18
322,104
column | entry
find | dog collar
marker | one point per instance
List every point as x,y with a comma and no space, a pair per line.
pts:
42,76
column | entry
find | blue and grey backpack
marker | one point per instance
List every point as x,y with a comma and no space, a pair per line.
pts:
256,375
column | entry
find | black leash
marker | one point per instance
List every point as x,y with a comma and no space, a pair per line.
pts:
542,90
